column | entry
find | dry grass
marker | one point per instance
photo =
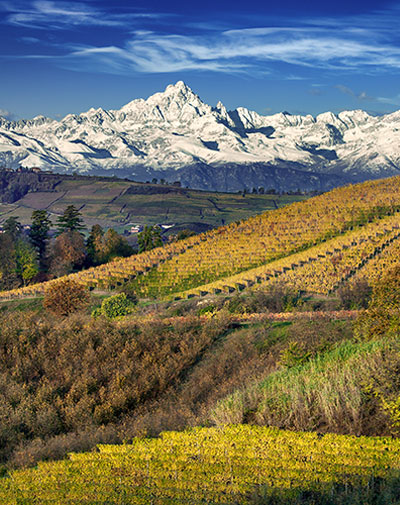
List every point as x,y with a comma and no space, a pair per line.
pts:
338,391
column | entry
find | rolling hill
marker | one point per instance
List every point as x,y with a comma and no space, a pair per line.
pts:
206,392
117,203
323,240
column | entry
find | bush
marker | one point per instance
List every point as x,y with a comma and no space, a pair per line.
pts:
275,298
115,306
355,295
65,297
129,292
382,318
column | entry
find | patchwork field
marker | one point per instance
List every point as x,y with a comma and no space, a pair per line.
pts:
116,203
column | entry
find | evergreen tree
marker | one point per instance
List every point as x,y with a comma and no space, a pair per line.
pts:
70,220
39,234
13,228
149,238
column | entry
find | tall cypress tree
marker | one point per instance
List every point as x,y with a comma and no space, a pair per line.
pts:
70,220
92,242
39,234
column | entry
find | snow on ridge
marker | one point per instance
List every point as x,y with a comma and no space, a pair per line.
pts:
175,128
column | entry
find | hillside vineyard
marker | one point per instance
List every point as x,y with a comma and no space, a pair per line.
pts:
326,266
323,241
237,464
254,364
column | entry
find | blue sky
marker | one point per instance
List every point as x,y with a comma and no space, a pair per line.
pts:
58,57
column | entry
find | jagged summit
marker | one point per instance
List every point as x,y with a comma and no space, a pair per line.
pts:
176,135
179,87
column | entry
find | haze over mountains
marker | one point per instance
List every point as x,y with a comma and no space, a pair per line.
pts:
176,136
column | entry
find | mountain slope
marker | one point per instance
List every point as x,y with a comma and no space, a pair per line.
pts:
175,135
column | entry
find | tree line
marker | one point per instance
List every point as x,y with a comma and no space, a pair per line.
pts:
36,255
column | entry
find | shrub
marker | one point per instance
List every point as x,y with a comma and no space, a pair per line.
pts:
115,306
382,318
277,297
65,297
355,295
129,292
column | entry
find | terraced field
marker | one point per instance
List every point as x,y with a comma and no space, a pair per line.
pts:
365,252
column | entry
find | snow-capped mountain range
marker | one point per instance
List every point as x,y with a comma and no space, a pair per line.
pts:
176,136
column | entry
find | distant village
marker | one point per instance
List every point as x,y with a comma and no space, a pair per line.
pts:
25,170
131,229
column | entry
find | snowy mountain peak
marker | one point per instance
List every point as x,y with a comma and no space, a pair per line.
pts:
179,92
174,130
328,117
178,87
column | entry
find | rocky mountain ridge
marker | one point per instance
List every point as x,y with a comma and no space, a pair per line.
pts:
176,136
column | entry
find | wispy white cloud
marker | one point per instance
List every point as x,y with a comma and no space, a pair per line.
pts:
239,50
394,100
47,14
153,55
346,44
